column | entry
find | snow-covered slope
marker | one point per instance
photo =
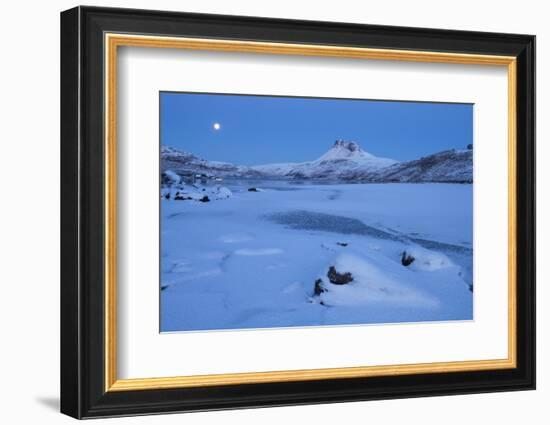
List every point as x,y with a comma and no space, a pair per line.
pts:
339,162
451,166
184,163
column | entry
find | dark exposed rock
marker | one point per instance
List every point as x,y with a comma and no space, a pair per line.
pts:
470,147
349,145
342,243
167,195
253,189
204,199
179,197
338,278
164,287
406,259
318,289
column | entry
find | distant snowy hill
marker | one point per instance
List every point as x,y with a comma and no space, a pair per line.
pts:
184,163
343,161
452,166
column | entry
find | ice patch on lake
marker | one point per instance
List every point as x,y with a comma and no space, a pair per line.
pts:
309,220
199,275
214,255
236,238
181,267
259,252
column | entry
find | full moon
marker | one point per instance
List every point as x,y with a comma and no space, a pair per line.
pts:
217,126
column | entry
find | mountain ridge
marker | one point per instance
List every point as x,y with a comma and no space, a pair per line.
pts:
345,161
453,165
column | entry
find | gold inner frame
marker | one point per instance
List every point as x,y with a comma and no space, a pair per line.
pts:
113,41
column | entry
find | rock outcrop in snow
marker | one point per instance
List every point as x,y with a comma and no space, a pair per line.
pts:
195,192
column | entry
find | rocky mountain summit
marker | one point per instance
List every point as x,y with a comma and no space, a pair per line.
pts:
341,161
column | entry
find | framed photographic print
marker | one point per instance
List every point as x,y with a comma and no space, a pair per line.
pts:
261,212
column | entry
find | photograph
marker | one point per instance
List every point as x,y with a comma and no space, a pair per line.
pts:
280,211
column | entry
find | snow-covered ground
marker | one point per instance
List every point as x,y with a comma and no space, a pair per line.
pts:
260,259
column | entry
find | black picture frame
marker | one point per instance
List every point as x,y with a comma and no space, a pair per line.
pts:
83,392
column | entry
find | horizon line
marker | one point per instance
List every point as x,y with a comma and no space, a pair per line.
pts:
311,160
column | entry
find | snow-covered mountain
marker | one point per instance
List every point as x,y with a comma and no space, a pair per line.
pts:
451,166
184,163
343,161
339,162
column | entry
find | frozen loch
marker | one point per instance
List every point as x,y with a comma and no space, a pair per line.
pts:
245,253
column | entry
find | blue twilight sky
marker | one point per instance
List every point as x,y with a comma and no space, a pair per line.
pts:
266,129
